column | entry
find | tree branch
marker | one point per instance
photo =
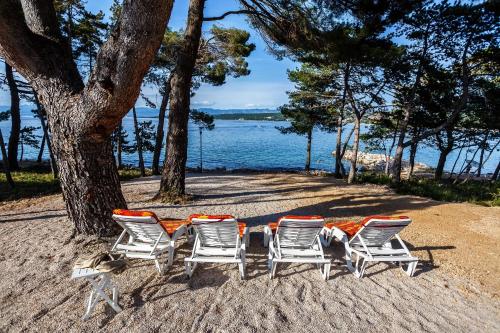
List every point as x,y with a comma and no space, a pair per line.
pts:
231,12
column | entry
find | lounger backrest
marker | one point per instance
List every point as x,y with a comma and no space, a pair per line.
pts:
216,232
299,231
143,228
378,230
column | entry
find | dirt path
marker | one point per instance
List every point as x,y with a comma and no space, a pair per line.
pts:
455,288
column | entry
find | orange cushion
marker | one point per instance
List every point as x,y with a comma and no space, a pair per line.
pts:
302,217
126,212
273,226
349,227
171,225
241,227
210,217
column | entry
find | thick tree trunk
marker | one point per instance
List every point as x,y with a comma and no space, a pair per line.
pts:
15,117
138,143
172,186
5,162
89,182
81,116
352,172
40,152
308,156
159,128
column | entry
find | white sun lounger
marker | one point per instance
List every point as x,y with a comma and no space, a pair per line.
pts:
297,239
371,242
218,240
147,238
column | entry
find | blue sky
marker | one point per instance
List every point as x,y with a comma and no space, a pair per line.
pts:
266,85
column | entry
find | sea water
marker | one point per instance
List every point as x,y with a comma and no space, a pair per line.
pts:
247,144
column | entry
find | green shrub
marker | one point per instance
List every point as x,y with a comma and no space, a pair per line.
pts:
34,182
480,192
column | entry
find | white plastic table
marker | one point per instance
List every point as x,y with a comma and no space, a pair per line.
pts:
99,281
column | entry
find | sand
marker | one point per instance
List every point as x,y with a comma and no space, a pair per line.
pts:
456,287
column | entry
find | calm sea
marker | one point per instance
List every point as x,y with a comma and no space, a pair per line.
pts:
238,144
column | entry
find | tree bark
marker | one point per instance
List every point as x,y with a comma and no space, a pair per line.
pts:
413,153
159,128
82,116
15,117
5,162
352,172
172,186
138,143
308,156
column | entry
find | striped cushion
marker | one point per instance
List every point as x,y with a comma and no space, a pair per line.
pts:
171,225
210,217
126,212
349,227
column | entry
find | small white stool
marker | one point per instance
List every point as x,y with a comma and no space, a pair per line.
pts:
98,289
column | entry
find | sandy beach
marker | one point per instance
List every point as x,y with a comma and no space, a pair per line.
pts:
455,289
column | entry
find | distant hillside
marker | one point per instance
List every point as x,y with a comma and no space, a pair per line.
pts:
250,116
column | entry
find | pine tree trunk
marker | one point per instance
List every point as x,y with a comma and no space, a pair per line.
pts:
340,119
397,161
138,143
159,129
82,115
481,156
308,157
89,182
413,153
119,146
172,186
494,177
352,172
201,149
5,162
53,164
15,117
438,173
40,152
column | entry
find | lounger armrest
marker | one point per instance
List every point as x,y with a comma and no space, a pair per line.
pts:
339,235
181,230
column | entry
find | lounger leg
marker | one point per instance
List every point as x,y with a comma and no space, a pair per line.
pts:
362,268
266,239
158,266
171,254
348,259
412,266
326,273
189,271
242,267
272,269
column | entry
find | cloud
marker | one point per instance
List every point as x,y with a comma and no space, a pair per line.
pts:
202,103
